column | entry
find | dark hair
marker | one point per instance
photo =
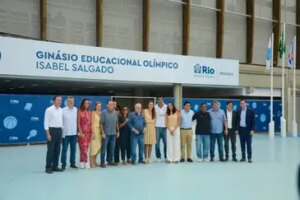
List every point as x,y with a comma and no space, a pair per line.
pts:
121,112
243,100
55,97
215,101
81,107
153,110
118,108
109,101
171,111
187,102
228,102
159,96
202,104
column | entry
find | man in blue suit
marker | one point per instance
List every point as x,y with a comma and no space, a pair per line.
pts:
246,126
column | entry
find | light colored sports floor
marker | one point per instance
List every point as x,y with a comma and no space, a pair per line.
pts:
272,176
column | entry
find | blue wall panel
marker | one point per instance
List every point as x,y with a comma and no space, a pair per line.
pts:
21,116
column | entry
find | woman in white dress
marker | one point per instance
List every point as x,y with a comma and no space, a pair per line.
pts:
173,134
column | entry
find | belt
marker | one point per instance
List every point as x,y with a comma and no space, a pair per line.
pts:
185,128
55,127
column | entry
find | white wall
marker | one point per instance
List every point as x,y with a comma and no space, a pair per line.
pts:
20,17
122,24
71,21
235,35
165,27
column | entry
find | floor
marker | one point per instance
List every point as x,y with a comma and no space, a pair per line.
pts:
272,176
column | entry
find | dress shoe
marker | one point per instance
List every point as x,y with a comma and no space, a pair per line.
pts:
226,159
182,160
243,160
211,160
74,166
142,162
103,165
250,161
189,160
48,171
222,160
57,169
234,160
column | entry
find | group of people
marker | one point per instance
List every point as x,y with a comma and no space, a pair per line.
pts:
115,130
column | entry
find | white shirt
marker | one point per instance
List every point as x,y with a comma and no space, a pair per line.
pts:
160,116
229,119
69,121
53,118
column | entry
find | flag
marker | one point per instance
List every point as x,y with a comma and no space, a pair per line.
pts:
291,56
281,48
269,54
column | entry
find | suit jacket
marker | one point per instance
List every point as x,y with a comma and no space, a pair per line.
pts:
235,120
250,119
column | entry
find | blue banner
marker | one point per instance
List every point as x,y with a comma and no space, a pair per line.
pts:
22,116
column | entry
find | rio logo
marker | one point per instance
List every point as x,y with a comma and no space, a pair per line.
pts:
205,70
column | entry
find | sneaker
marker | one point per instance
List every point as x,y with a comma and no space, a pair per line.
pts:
206,160
124,163
81,165
87,166
129,161
169,162
176,162
199,160
158,159
149,160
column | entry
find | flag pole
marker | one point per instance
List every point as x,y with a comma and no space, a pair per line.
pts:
295,128
271,124
282,118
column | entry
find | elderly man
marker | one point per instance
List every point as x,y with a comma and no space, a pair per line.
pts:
110,132
218,122
137,125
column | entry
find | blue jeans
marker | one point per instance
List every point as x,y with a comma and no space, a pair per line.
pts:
68,140
137,140
219,137
202,142
161,133
111,141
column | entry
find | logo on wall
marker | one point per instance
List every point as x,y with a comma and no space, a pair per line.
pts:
202,71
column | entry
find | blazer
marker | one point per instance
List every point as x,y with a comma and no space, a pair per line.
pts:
235,121
250,119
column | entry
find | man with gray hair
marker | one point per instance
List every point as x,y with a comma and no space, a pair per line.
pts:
69,136
218,121
137,125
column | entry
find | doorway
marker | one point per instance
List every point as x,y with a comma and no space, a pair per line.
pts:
130,101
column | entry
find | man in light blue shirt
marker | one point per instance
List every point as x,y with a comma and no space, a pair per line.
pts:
243,117
218,122
186,132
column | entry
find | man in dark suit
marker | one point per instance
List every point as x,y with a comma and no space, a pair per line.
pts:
246,126
232,124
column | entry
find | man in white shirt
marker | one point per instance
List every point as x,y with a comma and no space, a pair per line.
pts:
53,124
160,110
232,131
69,133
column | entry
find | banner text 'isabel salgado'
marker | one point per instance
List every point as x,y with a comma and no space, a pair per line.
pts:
95,64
